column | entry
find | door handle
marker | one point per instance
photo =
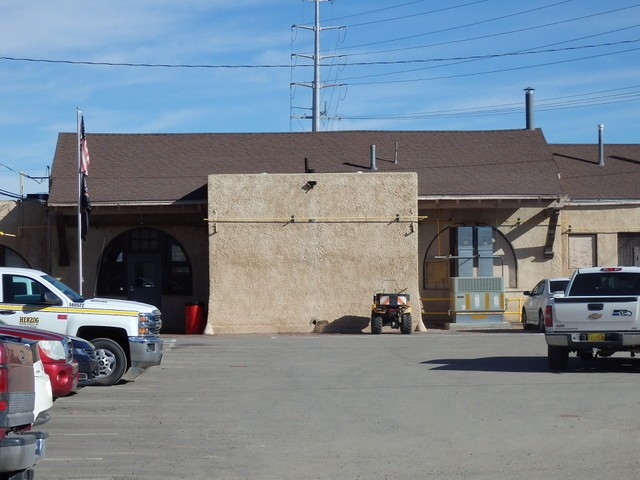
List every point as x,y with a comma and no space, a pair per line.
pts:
7,312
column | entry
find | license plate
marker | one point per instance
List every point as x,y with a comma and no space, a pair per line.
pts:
595,337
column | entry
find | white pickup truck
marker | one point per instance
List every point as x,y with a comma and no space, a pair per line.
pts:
124,333
598,315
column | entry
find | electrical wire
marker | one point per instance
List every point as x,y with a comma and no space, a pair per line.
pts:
489,72
472,24
615,95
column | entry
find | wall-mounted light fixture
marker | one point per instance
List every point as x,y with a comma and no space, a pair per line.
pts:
309,185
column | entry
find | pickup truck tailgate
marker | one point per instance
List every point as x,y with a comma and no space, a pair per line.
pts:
596,313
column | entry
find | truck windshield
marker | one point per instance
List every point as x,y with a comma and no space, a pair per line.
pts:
68,291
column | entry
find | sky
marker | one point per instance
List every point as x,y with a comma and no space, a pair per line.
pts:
182,66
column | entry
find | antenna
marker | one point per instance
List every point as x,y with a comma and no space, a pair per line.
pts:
316,85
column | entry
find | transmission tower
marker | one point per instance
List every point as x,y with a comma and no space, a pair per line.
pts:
316,85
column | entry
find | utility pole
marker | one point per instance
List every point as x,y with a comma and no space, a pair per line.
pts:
316,85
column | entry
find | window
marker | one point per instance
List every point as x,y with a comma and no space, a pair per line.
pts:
175,267
629,249
22,290
10,258
582,251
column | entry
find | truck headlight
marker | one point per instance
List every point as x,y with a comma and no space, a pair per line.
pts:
53,349
143,324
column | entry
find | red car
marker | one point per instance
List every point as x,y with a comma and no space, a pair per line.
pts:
56,355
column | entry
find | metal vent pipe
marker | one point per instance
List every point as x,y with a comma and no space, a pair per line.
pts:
529,107
601,145
374,164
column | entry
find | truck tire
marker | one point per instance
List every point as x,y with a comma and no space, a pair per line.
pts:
523,319
558,357
376,325
112,360
405,326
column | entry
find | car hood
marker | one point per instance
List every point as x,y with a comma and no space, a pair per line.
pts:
112,303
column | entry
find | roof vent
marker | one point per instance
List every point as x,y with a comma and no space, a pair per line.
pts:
529,107
374,164
601,145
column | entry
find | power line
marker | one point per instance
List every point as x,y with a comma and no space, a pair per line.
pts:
492,35
413,15
602,97
381,62
378,10
473,24
473,74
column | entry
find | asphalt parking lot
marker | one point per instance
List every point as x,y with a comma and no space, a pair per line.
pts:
441,405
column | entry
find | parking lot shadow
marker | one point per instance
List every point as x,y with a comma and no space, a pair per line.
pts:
491,364
535,364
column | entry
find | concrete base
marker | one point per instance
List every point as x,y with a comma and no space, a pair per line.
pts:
479,326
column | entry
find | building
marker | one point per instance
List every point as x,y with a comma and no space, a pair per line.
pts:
291,232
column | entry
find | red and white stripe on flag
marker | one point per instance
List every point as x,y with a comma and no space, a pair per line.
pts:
85,161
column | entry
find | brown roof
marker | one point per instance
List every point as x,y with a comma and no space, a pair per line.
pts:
583,179
171,167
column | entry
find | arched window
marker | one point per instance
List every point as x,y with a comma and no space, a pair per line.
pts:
116,275
11,258
436,267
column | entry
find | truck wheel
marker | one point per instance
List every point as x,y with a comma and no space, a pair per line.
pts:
558,357
112,361
525,325
376,325
541,321
405,327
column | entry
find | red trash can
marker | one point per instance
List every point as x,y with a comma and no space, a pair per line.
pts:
194,318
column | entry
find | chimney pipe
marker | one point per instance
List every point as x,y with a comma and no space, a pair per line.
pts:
395,154
374,165
529,107
600,145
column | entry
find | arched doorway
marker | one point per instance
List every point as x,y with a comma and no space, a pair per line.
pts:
437,269
11,258
144,264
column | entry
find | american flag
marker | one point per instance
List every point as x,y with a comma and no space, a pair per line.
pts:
85,202
85,161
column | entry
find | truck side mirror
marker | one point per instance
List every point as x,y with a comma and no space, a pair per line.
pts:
50,298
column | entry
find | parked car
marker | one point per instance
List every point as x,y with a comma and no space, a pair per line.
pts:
88,366
44,391
538,298
55,351
20,447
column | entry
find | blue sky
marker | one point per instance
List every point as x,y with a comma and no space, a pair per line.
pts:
396,65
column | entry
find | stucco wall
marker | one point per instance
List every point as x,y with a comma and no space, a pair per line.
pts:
319,271
24,225
603,221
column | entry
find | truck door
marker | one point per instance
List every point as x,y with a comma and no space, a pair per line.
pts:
23,303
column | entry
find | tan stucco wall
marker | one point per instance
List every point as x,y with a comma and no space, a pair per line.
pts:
603,221
319,272
24,224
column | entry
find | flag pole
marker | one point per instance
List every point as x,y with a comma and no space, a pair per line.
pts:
78,121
